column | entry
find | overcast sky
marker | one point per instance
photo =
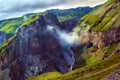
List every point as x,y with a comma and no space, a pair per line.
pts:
15,8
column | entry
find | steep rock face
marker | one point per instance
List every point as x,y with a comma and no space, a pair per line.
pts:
10,64
2,37
4,68
36,49
50,19
118,1
115,75
102,39
68,25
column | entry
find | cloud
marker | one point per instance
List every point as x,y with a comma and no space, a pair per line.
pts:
26,5
14,8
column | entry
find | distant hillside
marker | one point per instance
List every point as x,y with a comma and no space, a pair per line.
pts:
9,27
76,13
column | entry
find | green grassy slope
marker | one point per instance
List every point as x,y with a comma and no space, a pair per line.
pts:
11,25
102,18
46,76
66,14
94,55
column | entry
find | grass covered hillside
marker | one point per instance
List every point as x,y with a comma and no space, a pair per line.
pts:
12,25
9,27
71,13
102,18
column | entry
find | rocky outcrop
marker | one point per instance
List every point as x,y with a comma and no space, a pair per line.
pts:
36,49
3,37
115,75
4,68
105,38
100,39
50,19
68,25
118,1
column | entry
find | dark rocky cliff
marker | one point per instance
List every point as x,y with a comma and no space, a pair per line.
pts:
34,50
69,25
4,37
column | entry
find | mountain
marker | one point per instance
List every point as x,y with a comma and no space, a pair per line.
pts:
33,39
103,27
10,27
36,48
90,51
71,13
100,46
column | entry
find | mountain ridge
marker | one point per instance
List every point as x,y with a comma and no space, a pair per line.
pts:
98,52
11,26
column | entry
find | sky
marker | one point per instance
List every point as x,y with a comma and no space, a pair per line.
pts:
17,8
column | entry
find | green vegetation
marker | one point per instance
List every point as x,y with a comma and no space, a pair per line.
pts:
63,18
109,3
91,72
95,68
5,46
2,53
102,73
46,76
12,25
98,62
9,26
95,55
3,23
102,18
66,14
92,69
30,19
110,49
7,42
108,20
90,59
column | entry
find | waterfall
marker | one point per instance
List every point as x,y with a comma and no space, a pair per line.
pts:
66,40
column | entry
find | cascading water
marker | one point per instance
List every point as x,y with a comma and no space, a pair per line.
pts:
66,40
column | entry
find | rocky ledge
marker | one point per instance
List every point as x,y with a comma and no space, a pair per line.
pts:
115,75
105,38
